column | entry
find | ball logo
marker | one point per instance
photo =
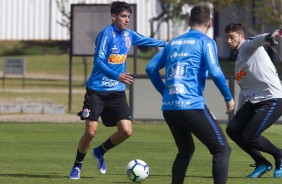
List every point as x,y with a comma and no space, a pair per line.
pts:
239,75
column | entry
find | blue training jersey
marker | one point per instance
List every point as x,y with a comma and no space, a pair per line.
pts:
188,59
112,46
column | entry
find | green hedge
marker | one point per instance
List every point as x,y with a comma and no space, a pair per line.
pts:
15,48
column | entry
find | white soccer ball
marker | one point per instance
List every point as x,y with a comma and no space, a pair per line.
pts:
137,170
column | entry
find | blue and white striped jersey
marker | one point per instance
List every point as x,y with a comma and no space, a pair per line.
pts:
112,46
188,59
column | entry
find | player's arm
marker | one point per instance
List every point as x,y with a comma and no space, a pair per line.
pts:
153,71
102,43
211,60
254,42
139,39
262,39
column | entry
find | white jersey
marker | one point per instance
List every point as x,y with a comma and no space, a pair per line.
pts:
255,73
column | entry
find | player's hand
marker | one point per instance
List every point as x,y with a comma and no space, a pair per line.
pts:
125,78
274,36
230,106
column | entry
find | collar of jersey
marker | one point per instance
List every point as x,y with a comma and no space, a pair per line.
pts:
116,30
240,44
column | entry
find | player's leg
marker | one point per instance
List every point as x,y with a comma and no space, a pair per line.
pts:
124,131
116,113
90,115
235,129
184,142
206,128
267,113
83,146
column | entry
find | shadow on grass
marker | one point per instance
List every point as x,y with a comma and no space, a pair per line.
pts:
194,176
55,176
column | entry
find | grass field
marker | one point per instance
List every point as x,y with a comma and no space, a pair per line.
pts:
44,153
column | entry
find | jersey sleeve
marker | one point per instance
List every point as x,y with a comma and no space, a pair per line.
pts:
139,39
102,43
153,71
255,42
211,61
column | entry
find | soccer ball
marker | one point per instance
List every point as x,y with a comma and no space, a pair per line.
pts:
137,170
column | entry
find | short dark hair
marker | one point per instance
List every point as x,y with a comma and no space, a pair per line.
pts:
200,15
120,6
234,27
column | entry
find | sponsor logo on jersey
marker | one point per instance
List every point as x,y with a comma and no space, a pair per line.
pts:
177,104
175,54
239,75
126,33
127,42
177,70
176,89
182,42
117,58
106,82
115,49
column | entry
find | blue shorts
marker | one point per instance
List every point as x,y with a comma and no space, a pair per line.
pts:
111,106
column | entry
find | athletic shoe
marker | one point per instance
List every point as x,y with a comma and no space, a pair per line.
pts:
278,170
100,163
260,170
75,172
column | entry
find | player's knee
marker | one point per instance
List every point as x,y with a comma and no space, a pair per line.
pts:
224,150
188,154
230,132
90,134
126,132
186,151
227,150
222,154
249,140
125,129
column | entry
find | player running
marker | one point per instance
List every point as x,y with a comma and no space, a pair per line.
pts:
260,98
105,88
188,60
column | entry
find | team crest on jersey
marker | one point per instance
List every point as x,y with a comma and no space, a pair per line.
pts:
127,42
85,113
114,34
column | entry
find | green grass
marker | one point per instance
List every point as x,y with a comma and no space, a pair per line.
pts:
44,153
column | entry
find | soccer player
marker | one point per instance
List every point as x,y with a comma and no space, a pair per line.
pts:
187,60
105,89
260,98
